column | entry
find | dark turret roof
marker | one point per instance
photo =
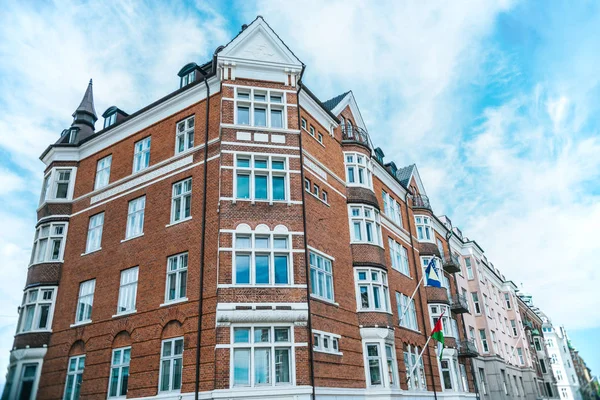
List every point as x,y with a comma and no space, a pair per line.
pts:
87,103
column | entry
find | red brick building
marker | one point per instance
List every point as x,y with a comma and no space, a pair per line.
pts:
237,238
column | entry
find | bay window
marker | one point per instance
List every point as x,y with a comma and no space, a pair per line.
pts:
58,185
449,327
381,364
260,107
184,135
321,276
358,170
424,229
365,225
171,365
372,290
49,242
261,177
262,258
37,308
262,356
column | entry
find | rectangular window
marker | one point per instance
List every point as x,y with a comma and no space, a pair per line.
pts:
63,177
171,365
469,268
119,372
320,137
311,130
424,229
85,301
128,290
37,308
326,342
260,107
372,290
141,154
391,208
358,170
58,184
261,177
94,236
407,312
181,204
321,276
103,172
74,378
177,266
303,123
446,376
365,225
520,354
48,243
507,300
316,189
374,365
135,217
185,135
324,196
28,375
484,342
482,381
514,327
262,259
399,256
262,356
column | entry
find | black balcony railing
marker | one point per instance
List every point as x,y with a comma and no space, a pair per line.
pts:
356,134
421,201
451,263
459,304
467,348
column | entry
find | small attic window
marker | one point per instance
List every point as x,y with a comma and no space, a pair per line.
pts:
188,78
110,120
72,135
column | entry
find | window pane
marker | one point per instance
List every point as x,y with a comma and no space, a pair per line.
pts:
282,335
243,115
241,335
277,118
262,367
164,377
278,188
262,242
243,186
262,335
279,165
282,365
241,367
242,242
260,187
177,369
364,296
262,268
260,117
242,269
281,269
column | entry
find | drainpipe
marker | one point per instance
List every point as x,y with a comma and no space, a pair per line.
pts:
462,317
203,240
419,292
306,258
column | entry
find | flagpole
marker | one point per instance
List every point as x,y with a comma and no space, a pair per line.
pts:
512,353
411,299
422,351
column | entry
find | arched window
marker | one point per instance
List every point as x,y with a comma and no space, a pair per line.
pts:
343,125
349,128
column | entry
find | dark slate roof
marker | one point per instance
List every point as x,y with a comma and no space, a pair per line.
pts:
331,103
87,103
404,174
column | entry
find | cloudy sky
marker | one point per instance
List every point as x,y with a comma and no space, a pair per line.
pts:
497,102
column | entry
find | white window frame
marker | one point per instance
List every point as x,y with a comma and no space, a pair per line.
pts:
119,365
128,291
476,303
507,300
43,254
370,284
449,328
424,227
357,213
77,374
181,195
410,354
384,361
188,78
240,100
45,296
171,359
326,342
485,347
357,165
94,234
399,257
141,154
51,182
110,120
180,262
184,134
409,319
321,276
392,208
469,267
102,172
252,346
136,210
86,293
269,172
262,232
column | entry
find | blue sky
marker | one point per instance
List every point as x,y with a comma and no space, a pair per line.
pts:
496,102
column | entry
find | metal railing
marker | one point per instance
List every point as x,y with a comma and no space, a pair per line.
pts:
467,348
451,263
356,134
421,201
459,301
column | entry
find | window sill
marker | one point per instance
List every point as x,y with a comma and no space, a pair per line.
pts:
374,311
82,323
125,313
331,353
182,300
369,243
178,222
260,128
409,329
323,300
46,262
261,286
402,273
90,252
317,197
34,331
131,238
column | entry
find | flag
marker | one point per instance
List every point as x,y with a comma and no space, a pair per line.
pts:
432,273
437,334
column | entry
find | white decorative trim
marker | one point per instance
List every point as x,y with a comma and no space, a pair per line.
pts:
132,237
260,128
142,179
266,146
395,229
178,222
263,286
325,183
170,303
317,112
228,314
321,165
256,153
315,168
319,252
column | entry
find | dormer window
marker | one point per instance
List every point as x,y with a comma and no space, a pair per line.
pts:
187,79
110,120
72,135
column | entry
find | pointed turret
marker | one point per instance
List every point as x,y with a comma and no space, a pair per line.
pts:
84,119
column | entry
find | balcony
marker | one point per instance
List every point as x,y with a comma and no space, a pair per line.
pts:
467,348
451,263
421,201
356,135
459,304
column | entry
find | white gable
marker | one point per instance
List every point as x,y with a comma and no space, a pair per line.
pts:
349,100
259,45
